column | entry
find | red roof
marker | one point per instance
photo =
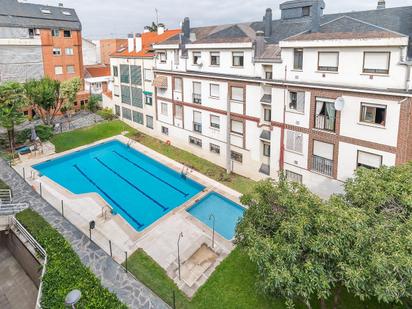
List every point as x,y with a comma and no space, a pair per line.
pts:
148,39
98,70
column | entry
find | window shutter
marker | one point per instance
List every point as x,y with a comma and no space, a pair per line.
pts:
124,73
136,74
215,119
178,85
237,94
214,90
137,97
197,117
179,112
376,61
197,88
323,150
328,59
369,159
237,126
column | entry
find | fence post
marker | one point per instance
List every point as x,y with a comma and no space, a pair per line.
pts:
174,300
126,260
24,173
41,191
62,210
110,247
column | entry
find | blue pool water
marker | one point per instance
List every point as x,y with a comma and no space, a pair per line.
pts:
137,187
226,213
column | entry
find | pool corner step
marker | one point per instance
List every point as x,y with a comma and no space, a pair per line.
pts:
196,198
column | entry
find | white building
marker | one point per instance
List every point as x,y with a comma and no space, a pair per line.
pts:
313,95
91,53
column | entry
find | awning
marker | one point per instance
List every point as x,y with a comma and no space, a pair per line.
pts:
160,81
147,93
267,98
265,135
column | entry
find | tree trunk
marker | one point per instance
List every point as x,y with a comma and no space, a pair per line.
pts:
10,135
307,303
336,299
323,303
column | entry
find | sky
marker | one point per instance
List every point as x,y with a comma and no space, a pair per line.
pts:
116,18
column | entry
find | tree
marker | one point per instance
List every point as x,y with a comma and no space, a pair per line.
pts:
12,101
49,96
93,104
297,241
153,27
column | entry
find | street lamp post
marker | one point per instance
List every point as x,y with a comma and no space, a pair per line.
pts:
212,216
72,298
178,251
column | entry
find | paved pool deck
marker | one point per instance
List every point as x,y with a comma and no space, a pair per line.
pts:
129,290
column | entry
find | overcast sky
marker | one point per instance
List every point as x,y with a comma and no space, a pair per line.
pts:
117,18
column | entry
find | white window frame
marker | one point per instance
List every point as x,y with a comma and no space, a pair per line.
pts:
366,154
215,54
326,61
196,57
57,51
294,141
60,71
241,59
69,51
215,122
237,99
214,93
235,131
366,69
163,109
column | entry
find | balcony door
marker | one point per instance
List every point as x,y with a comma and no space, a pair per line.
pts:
325,117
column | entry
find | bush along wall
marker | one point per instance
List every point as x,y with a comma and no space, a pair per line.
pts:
64,270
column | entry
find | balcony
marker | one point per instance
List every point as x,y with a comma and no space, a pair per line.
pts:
197,98
326,123
197,127
322,165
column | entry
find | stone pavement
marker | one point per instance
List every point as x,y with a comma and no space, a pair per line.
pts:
130,291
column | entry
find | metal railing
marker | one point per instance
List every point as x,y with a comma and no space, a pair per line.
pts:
197,98
323,122
39,249
322,165
11,209
5,196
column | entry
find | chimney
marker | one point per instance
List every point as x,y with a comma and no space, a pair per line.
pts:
260,43
130,42
160,29
381,4
316,13
139,43
267,21
186,28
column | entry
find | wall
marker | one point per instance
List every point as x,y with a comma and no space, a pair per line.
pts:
110,46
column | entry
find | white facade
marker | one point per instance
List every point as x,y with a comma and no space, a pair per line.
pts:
91,53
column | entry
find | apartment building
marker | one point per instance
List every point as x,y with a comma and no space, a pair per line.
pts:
37,41
132,75
107,47
313,95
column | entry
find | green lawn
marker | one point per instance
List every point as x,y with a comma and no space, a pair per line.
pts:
3,185
80,137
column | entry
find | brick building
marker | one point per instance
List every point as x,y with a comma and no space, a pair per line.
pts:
110,46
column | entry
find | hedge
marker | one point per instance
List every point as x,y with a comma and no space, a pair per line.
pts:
64,270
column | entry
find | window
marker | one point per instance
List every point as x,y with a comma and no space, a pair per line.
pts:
235,156
376,62
70,69
67,33
215,121
195,141
214,90
163,109
115,71
148,99
116,90
162,57
214,148
266,150
176,56
298,59
322,158
369,160
69,51
126,113
117,110
179,112
237,59
124,73
237,94
268,72
57,51
328,61
214,58
138,117
294,141
55,32
137,97
178,85
148,75
136,74
165,130
372,113
267,114
197,56
325,115
125,93
236,127
306,11
297,101
197,121
149,122
58,70
293,177
31,32
197,92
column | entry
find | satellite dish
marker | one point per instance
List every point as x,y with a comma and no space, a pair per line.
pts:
339,103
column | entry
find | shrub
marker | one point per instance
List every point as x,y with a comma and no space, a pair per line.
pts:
93,104
45,133
64,270
106,114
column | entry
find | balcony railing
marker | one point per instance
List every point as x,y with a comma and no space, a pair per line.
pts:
197,98
323,122
197,127
322,165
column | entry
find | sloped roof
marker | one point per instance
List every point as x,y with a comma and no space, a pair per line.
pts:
17,14
148,39
98,70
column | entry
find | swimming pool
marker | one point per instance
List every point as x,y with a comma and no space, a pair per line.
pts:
226,213
137,187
